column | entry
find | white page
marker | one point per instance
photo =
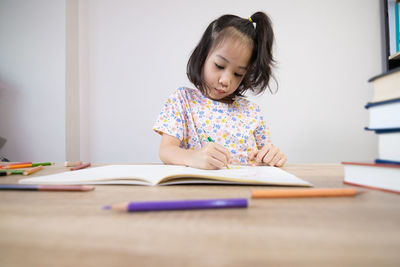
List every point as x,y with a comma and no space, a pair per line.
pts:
248,174
139,174
127,174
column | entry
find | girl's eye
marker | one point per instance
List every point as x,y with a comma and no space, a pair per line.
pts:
219,66
238,75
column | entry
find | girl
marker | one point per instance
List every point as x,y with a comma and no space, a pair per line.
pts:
214,125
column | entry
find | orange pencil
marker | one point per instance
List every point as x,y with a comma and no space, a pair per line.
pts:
315,192
18,166
30,171
16,163
27,165
80,167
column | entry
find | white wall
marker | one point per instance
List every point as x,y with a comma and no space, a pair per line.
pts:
32,79
136,53
133,54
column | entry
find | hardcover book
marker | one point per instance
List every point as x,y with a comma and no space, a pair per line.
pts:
385,177
384,114
386,85
388,145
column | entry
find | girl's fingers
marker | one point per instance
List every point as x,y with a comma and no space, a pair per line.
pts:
224,151
220,157
216,155
253,154
270,156
264,152
276,159
281,162
215,163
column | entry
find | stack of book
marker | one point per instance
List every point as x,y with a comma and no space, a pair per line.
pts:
384,119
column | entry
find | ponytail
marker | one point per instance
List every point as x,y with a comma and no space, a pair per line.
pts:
263,60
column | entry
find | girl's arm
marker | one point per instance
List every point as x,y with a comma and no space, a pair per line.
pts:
210,156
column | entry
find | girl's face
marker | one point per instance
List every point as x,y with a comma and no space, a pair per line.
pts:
225,67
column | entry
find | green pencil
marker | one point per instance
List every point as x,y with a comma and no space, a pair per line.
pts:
212,141
41,163
5,173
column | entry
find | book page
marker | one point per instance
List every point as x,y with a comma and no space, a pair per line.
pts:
236,174
113,174
169,174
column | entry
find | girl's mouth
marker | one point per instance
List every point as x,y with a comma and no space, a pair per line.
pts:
220,92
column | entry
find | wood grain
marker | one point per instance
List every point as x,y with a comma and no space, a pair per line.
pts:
71,229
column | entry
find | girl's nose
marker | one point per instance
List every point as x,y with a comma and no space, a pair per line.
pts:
224,80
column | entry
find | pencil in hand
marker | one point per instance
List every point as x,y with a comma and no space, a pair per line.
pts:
212,141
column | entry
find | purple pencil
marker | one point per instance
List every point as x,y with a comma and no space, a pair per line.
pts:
223,203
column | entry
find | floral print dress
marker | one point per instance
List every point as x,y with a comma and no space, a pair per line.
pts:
192,118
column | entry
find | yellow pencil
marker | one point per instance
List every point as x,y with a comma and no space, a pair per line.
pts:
30,171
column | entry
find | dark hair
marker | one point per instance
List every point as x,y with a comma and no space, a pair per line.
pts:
259,71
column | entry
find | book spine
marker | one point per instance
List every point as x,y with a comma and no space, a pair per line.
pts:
379,103
384,74
383,131
397,18
383,161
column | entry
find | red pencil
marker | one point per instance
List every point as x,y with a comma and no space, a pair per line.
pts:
80,166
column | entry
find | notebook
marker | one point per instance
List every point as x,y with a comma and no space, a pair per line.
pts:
170,175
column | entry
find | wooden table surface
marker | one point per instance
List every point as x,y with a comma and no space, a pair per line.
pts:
71,229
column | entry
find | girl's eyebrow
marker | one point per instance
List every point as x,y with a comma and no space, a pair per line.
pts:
223,58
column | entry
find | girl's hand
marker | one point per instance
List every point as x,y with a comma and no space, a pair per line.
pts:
212,156
270,155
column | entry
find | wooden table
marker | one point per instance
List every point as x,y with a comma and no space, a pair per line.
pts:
71,229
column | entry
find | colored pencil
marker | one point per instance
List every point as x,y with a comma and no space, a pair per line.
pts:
212,141
5,173
35,169
180,205
18,166
46,187
82,166
72,163
15,163
314,192
27,165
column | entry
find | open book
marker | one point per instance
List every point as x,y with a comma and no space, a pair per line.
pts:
171,174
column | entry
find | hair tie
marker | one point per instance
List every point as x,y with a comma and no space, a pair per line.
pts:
250,20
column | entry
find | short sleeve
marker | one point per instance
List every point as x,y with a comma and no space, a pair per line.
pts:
170,120
262,132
